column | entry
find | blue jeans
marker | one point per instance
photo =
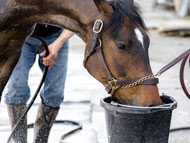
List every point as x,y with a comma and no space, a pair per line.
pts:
52,93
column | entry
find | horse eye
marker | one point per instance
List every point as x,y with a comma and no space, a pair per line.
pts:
123,47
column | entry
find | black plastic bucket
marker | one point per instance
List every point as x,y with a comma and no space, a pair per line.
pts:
132,124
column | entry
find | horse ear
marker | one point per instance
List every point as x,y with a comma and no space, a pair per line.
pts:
103,6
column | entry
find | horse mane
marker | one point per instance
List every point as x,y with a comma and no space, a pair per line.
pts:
122,9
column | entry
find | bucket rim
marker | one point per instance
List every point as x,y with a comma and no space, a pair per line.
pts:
119,108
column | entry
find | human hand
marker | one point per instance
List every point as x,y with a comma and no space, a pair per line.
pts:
55,47
53,52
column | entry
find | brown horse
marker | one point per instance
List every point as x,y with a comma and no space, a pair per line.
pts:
117,44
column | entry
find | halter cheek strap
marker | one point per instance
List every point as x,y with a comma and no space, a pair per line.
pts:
97,28
113,84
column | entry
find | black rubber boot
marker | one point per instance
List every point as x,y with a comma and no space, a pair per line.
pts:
15,112
45,119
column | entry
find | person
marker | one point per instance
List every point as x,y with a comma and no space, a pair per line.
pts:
52,93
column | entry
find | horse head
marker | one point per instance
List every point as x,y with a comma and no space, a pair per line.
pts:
117,54
116,42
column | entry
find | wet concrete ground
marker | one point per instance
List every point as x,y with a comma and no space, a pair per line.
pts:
81,86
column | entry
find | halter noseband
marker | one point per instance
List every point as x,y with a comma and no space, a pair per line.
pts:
113,83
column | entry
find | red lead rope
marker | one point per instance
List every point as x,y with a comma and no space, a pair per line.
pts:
181,75
174,62
184,56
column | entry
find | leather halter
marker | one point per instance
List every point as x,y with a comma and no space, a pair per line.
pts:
113,84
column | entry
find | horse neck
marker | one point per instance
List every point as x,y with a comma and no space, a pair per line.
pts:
75,15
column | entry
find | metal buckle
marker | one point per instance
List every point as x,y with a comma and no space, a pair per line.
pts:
112,83
100,27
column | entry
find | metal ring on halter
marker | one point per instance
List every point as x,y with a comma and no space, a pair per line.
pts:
100,43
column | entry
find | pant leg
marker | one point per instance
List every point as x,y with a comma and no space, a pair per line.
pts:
18,89
52,93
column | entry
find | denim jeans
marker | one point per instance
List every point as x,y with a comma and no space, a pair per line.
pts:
52,93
